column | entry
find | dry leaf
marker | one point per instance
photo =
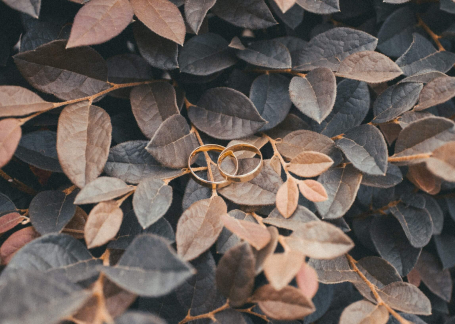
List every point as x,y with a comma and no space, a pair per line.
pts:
103,223
287,197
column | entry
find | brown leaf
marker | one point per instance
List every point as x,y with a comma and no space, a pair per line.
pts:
437,279
307,281
83,139
262,254
10,135
334,271
9,221
195,11
162,17
235,274
281,268
18,101
99,21
363,312
102,189
76,226
320,240
310,164
313,190
257,141
423,179
414,277
199,226
369,66
17,240
173,142
152,104
287,197
285,304
103,223
405,297
285,5
300,216
442,162
436,92
254,234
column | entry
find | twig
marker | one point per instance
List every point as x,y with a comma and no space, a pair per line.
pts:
431,33
409,158
17,184
210,315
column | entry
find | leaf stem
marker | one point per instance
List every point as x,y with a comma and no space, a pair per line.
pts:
210,315
409,158
277,153
121,200
431,33
17,184
249,311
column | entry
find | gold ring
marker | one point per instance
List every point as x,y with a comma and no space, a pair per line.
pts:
207,183
230,151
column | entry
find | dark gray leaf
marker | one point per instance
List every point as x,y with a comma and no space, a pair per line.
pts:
448,6
235,274
300,216
351,106
444,244
30,7
395,100
152,104
37,298
230,316
424,76
151,200
269,53
252,14
315,94
366,148
436,214
130,162
55,254
422,55
341,185
102,189
293,44
135,317
330,48
225,113
195,11
194,192
334,271
173,143
158,51
391,178
395,34
206,54
269,94
416,224
436,92
434,276
51,210
39,149
322,7
6,204
292,17
415,302
149,267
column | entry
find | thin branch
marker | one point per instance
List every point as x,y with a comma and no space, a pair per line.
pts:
121,200
250,311
409,158
431,33
211,315
17,184
277,153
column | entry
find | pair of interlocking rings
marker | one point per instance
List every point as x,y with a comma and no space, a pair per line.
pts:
225,152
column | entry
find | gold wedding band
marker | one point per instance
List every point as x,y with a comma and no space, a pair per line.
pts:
206,148
230,151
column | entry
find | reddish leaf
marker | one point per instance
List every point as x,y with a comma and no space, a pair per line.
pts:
15,242
254,234
9,221
313,190
307,280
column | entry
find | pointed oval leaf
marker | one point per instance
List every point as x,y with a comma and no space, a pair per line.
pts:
30,7
15,242
235,274
206,54
103,223
287,197
281,268
436,92
151,201
270,54
51,210
315,94
152,104
424,136
369,66
442,162
269,94
159,52
130,162
366,148
83,140
199,227
395,100
99,21
389,180
341,185
313,190
286,304
195,11
320,240
284,5
322,7
301,215
310,164
434,276
67,74
149,267
225,113
255,234
252,14
18,101
334,271
363,311
10,135
307,280
422,55
405,297
328,49
102,189
173,142
228,239
9,221
161,16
